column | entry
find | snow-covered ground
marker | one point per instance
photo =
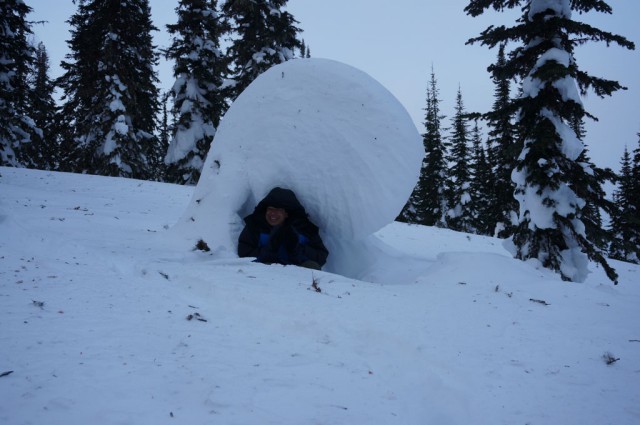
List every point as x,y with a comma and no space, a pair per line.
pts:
95,306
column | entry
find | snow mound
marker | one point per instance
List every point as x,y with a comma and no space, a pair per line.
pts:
329,132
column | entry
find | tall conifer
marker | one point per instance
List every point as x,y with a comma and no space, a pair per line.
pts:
164,136
549,178
459,216
43,151
482,207
428,203
265,35
17,128
110,89
503,148
625,221
198,94
592,191
635,186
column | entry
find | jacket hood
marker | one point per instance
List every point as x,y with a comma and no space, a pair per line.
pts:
279,198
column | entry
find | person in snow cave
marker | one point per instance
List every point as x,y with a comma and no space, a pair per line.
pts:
279,231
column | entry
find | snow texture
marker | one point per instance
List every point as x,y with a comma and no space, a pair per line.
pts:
95,329
327,131
571,146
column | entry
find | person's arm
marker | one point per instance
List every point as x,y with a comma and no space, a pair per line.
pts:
312,249
252,243
248,243
304,244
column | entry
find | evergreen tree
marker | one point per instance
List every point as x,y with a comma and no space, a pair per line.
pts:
548,176
428,203
482,187
110,89
163,139
43,151
503,148
592,191
635,186
305,51
410,213
625,222
265,35
459,216
17,128
199,97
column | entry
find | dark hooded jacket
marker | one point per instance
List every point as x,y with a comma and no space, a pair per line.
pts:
296,241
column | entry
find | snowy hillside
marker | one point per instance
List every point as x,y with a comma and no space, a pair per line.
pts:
103,321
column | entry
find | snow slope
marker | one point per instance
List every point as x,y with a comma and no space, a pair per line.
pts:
94,308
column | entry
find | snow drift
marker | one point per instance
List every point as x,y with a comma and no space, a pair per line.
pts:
329,132
95,329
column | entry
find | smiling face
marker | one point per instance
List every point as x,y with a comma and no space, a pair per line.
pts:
276,216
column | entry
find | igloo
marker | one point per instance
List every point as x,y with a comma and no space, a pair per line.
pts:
329,132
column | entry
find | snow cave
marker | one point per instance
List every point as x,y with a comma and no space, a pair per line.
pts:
329,132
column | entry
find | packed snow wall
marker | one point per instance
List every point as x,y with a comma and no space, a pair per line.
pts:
329,132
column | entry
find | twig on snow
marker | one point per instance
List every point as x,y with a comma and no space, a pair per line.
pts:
543,302
314,284
609,358
196,316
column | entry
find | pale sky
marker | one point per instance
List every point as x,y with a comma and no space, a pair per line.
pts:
397,45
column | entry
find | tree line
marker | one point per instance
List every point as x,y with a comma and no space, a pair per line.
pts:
107,122
465,181
530,180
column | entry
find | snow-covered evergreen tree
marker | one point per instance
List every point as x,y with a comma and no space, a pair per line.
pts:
199,93
503,148
548,174
459,216
596,201
592,191
164,136
17,128
635,187
482,187
110,89
428,202
43,150
265,35
625,222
